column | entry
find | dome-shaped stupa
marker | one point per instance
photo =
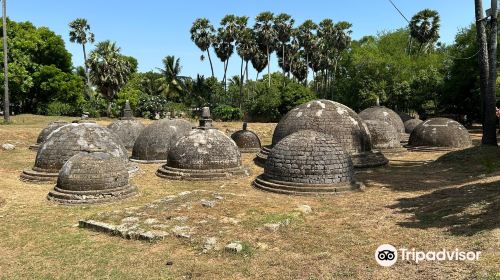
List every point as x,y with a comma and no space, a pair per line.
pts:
411,124
247,140
307,162
404,116
381,113
44,134
69,140
155,140
92,177
384,136
441,133
127,128
334,119
204,154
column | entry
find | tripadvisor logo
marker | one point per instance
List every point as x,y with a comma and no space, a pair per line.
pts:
387,255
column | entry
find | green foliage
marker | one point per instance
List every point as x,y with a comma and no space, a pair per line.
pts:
227,113
150,106
58,108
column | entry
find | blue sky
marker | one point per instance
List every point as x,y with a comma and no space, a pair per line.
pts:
151,29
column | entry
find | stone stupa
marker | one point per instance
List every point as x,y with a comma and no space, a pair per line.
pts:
127,128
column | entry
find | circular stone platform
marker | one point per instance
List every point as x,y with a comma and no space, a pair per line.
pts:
204,154
439,133
68,141
127,131
92,177
155,140
44,134
411,124
334,119
384,136
246,140
307,163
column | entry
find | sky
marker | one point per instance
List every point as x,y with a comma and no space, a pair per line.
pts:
149,30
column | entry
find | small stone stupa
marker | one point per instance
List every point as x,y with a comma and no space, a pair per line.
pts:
68,141
44,134
411,124
384,136
381,113
127,128
93,176
308,163
248,141
439,134
204,154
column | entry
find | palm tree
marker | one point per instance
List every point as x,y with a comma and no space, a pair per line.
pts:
174,82
283,24
307,37
424,27
109,70
259,61
80,33
266,36
202,34
223,49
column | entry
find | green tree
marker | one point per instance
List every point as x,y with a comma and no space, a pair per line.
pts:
266,36
307,39
424,28
202,34
175,86
80,33
109,70
283,24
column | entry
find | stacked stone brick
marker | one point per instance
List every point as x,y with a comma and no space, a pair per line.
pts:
44,134
154,142
384,136
307,162
127,130
381,113
440,133
334,119
411,124
68,141
204,154
92,177
247,140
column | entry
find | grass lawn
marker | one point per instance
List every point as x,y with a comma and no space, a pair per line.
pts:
422,200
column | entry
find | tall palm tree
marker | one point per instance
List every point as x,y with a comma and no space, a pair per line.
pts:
424,27
266,36
224,48
174,82
283,24
6,102
80,33
109,70
202,34
259,61
307,37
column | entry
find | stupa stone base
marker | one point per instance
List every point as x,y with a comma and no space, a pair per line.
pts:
34,147
404,138
432,149
261,157
171,173
369,159
266,184
151,161
391,150
91,197
249,150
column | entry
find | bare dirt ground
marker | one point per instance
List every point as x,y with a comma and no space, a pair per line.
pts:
422,200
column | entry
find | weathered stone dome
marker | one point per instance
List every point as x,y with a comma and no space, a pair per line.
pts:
307,162
440,133
44,134
411,124
247,140
384,136
155,140
127,130
404,116
69,140
381,113
334,119
92,177
204,154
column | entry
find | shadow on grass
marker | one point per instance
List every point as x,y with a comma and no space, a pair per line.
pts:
465,210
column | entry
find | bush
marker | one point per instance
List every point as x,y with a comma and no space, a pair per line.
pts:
58,108
149,106
227,113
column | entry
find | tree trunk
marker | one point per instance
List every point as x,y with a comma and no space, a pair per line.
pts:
241,83
225,71
86,72
307,67
210,60
6,102
489,125
268,66
483,68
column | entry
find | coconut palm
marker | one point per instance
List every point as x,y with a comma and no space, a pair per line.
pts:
283,24
174,83
266,36
307,36
80,33
109,70
424,27
202,34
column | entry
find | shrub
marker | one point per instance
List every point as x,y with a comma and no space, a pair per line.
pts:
149,106
227,113
58,108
